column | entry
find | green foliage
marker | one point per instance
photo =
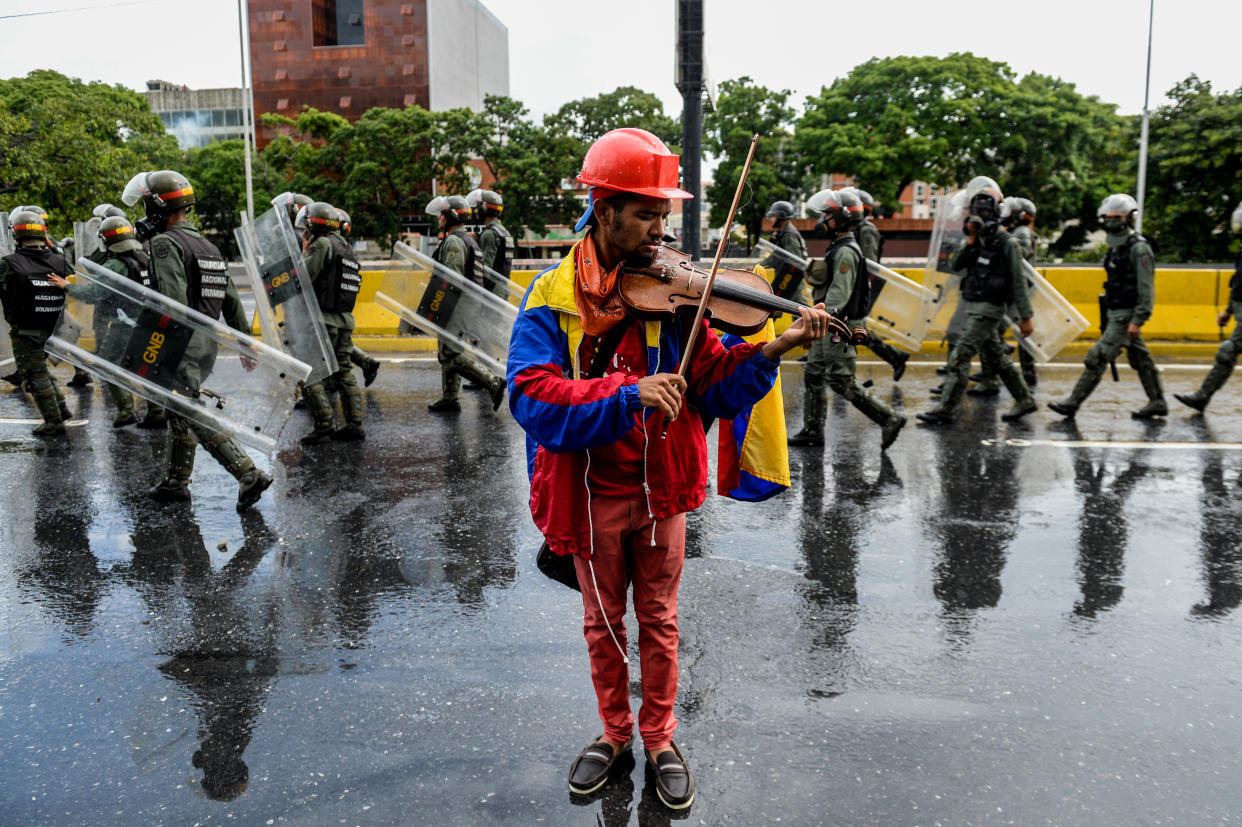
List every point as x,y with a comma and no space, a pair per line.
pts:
219,191
67,145
742,111
892,121
1194,175
587,119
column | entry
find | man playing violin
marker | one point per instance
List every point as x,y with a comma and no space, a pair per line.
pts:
594,388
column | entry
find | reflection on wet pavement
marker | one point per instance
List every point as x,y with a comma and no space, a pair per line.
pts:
991,623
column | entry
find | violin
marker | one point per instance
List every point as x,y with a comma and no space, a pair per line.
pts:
741,301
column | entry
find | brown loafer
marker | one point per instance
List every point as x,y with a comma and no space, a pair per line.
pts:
593,766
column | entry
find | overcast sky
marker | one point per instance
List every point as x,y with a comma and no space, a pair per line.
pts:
562,50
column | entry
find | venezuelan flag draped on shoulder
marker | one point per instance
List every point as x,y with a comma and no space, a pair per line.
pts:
565,414
752,459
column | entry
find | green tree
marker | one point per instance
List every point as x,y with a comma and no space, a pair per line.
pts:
528,162
743,110
1194,175
586,119
217,172
67,145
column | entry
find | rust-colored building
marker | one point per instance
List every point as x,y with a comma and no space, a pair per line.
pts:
347,56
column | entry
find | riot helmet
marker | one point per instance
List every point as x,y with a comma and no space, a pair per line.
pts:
118,235
985,200
291,202
867,201
780,210
346,225
1117,212
485,204
1235,221
39,211
834,216
319,217
26,223
163,192
452,208
852,203
103,211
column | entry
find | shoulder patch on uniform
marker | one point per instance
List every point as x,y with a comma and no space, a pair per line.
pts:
845,267
161,248
1146,261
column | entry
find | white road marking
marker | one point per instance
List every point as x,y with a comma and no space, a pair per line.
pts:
72,423
1104,443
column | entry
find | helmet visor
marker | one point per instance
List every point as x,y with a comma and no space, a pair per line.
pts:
135,189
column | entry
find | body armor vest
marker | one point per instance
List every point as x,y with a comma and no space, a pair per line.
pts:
338,292
860,297
1121,287
136,266
502,262
987,277
206,272
472,253
31,302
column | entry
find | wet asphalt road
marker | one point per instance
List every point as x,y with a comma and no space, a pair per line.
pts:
996,624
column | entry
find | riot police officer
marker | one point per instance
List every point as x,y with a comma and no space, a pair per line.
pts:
1130,294
787,277
496,245
1017,216
1227,353
334,273
872,244
122,254
32,307
458,252
189,269
80,377
368,364
992,261
846,294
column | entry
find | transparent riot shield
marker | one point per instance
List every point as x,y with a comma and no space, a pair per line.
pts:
288,311
7,245
897,313
441,302
940,313
176,357
86,237
1057,322
499,283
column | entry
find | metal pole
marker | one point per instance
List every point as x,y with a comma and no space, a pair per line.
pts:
690,42
247,111
1142,170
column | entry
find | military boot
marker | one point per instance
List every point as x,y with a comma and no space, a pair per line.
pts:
1023,402
320,408
14,379
1149,375
950,399
814,412
228,452
181,448
369,372
889,354
1091,376
124,401
450,385
251,487
50,409
1211,384
351,408
156,418
878,412
80,378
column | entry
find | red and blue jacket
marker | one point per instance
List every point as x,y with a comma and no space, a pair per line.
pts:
565,415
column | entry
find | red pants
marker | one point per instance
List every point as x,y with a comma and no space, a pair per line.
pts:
621,526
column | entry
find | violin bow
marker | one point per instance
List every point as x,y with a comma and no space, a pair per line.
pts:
711,277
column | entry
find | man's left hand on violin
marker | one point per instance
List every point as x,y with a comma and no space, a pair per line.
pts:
813,324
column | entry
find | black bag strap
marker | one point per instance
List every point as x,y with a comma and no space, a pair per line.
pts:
607,347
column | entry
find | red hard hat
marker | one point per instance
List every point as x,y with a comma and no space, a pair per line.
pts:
632,160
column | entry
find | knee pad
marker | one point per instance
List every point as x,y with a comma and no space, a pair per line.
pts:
1227,353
